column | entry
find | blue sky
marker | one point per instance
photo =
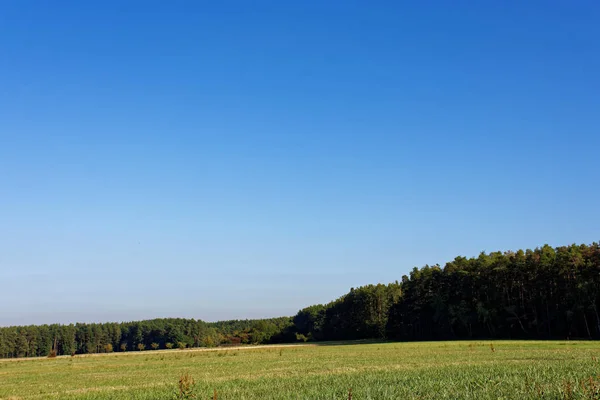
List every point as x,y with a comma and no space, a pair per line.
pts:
233,159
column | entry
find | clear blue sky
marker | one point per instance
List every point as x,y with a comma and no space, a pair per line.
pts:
245,159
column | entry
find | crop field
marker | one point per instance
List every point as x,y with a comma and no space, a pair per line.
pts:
435,370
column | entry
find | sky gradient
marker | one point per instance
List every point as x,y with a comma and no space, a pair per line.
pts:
231,159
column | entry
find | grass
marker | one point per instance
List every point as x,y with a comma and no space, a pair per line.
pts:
437,370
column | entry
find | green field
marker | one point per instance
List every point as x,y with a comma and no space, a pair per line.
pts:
437,370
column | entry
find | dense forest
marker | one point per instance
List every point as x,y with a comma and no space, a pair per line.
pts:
546,293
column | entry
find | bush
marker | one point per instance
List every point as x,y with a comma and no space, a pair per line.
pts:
181,345
169,345
301,338
52,354
154,346
108,348
123,346
186,387
141,346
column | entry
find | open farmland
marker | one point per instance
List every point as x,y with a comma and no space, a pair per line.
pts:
451,370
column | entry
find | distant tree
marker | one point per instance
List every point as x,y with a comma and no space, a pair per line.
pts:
108,348
208,341
54,350
169,345
181,345
67,343
141,346
123,346
154,346
310,320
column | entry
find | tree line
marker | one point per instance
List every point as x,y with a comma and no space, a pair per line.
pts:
168,333
545,293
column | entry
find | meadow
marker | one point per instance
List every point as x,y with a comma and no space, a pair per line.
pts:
425,370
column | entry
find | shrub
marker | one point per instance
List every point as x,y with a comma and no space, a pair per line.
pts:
108,348
181,345
186,387
141,346
154,346
52,354
123,346
301,338
169,345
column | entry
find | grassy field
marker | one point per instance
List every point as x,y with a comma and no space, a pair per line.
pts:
438,370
